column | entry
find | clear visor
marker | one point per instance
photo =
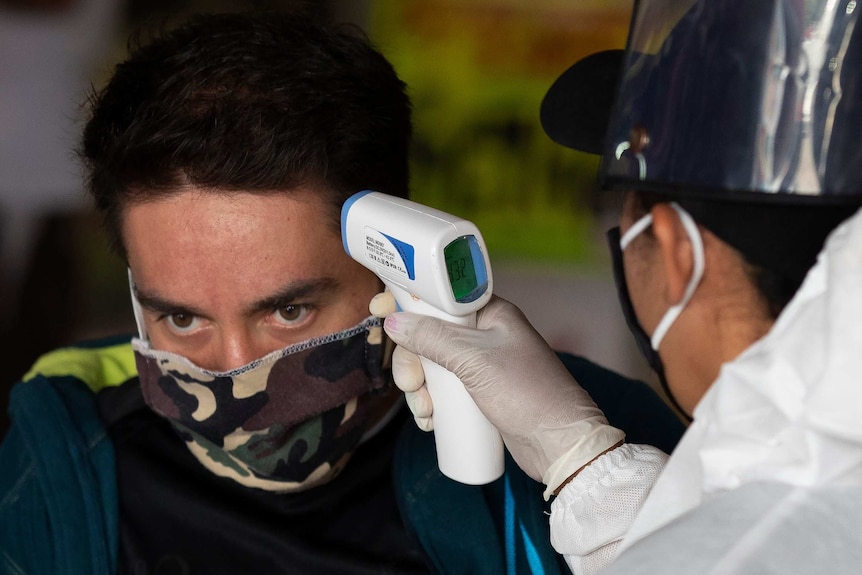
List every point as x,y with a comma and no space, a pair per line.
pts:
733,97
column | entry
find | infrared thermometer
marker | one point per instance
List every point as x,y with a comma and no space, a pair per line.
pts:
434,264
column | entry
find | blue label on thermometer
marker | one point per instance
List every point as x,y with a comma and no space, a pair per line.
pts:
406,252
395,256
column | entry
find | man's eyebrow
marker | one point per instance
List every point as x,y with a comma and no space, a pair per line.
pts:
295,292
163,306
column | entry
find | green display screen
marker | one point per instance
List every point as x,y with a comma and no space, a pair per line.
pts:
461,268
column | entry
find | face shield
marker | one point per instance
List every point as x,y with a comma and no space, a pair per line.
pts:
743,100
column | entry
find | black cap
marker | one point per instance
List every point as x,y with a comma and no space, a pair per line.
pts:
577,108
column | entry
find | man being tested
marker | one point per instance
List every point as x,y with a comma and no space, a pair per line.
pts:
251,427
220,154
735,134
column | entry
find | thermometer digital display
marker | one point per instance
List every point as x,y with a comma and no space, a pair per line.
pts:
434,264
467,274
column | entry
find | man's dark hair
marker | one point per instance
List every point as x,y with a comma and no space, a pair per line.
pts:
257,101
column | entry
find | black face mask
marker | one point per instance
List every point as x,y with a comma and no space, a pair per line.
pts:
641,338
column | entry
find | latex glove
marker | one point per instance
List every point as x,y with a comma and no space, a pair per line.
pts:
550,425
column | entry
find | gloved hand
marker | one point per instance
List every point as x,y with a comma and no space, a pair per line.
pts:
550,425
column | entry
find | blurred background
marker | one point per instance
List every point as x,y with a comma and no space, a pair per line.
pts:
477,72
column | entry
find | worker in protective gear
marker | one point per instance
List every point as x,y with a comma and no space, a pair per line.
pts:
733,138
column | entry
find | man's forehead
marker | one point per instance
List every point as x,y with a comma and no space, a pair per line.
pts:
232,237
318,208
322,201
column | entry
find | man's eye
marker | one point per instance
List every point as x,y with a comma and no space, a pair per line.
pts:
182,322
292,314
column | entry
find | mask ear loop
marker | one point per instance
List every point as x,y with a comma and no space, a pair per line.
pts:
697,274
136,309
637,228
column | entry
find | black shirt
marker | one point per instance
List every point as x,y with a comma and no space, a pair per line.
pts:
176,517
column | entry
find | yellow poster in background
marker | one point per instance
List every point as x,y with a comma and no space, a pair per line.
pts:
477,71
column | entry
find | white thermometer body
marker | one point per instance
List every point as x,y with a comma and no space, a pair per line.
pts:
434,264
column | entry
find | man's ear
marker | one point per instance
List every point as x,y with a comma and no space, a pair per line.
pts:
677,253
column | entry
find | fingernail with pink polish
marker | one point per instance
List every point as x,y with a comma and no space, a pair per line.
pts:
390,324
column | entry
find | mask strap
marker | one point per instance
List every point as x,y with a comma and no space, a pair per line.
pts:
697,274
136,308
637,228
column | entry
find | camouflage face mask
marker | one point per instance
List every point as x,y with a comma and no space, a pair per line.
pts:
285,422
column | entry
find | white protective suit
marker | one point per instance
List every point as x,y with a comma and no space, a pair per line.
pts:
768,477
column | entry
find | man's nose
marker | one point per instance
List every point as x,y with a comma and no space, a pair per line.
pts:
233,350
